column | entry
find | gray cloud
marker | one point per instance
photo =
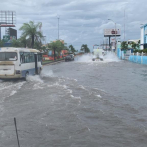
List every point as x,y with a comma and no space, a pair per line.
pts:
80,21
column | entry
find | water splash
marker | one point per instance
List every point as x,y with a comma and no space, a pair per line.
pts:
46,73
85,58
35,78
109,57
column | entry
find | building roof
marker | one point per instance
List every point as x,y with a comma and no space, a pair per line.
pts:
143,26
136,40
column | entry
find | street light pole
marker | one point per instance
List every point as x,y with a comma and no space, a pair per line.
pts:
58,27
115,37
115,32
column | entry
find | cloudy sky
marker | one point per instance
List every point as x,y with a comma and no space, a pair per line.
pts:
81,21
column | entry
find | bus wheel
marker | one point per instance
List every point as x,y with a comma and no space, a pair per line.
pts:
39,71
26,75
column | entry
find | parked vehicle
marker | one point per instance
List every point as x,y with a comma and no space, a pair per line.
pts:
69,58
19,62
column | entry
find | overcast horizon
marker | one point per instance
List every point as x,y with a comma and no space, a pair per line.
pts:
81,22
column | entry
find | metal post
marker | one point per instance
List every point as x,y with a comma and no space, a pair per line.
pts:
124,25
16,131
109,42
115,37
0,33
54,54
36,66
58,27
12,17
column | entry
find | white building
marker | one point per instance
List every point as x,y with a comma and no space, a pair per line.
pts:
143,41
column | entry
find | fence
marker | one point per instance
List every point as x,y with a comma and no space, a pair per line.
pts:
140,58
120,54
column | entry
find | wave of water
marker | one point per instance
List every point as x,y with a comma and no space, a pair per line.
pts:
39,78
8,89
85,58
109,57
46,73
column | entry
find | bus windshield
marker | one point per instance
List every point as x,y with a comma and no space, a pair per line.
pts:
8,56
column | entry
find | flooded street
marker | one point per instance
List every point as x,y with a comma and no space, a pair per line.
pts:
77,104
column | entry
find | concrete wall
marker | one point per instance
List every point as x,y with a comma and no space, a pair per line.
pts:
138,59
120,54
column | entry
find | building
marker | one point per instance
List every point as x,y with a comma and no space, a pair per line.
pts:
130,43
135,41
143,41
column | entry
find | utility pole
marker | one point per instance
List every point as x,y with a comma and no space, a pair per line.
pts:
0,32
115,32
58,26
115,37
124,25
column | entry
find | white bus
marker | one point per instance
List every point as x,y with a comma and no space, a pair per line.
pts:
19,62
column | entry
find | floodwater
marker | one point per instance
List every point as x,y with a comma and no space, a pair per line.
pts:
77,104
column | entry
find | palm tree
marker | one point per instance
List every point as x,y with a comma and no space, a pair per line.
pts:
85,48
72,49
56,47
32,31
124,45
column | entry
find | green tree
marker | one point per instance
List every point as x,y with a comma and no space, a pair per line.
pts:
38,45
134,45
25,42
138,45
66,48
16,43
31,30
124,45
72,49
56,47
85,48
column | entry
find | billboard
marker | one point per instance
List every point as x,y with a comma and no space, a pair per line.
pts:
13,32
8,39
111,32
7,18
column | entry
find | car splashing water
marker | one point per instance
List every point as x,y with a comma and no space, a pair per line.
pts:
109,57
77,104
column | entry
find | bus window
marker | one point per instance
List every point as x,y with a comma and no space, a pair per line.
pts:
2,56
39,57
32,59
22,58
27,57
8,56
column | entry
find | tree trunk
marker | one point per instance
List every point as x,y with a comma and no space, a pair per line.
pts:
54,54
32,41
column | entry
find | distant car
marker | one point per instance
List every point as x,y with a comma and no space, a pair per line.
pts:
69,58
